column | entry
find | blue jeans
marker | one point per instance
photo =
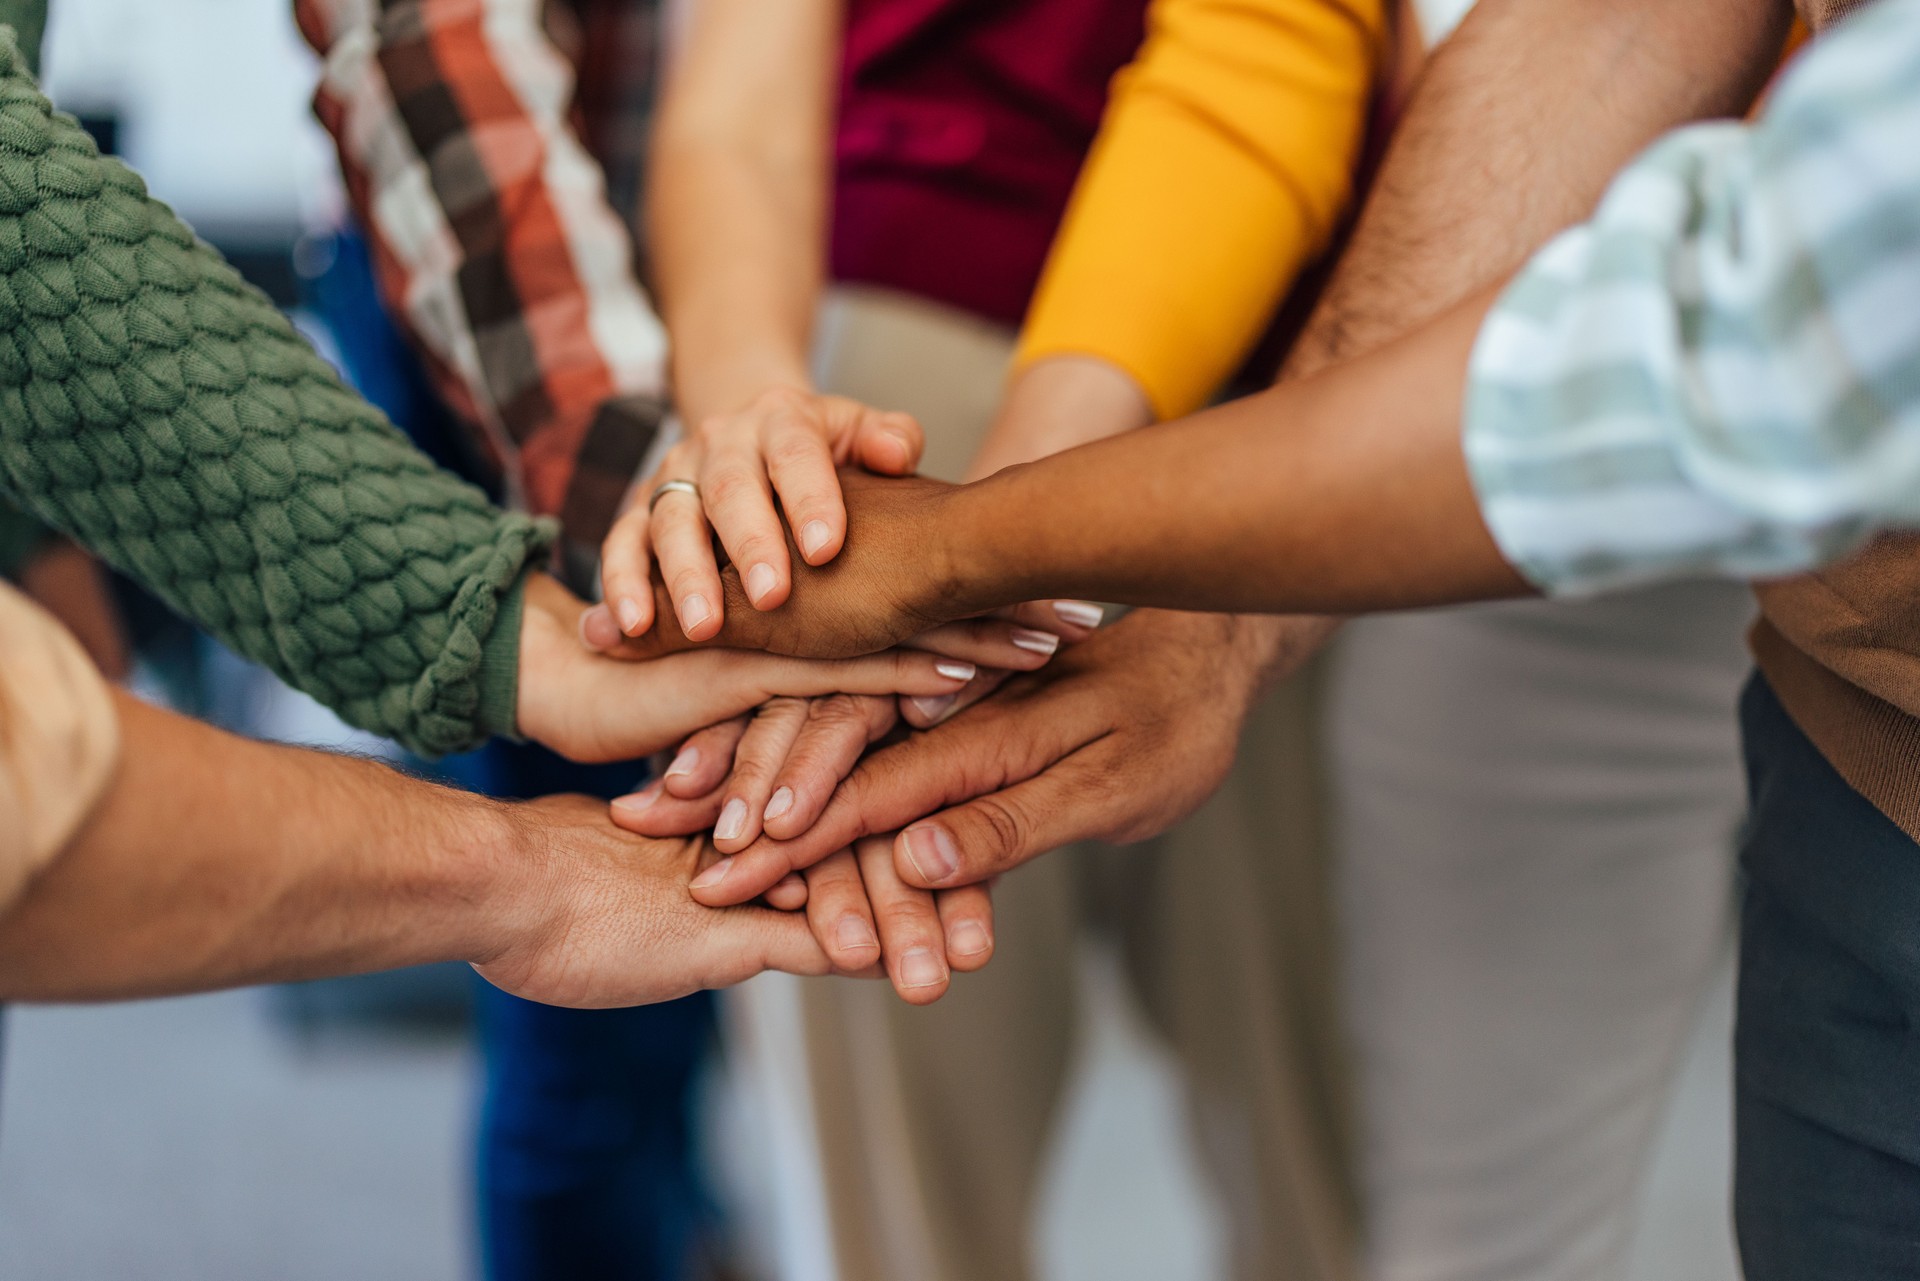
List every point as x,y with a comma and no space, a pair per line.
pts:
1827,1052
589,1168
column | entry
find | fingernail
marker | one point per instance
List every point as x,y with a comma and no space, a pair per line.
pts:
921,968
733,821
685,763
855,935
597,628
694,611
969,938
933,708
629,611
814,537
1035,642
779,803
637,802
760,581
931,852
1080,613
713,877
956,671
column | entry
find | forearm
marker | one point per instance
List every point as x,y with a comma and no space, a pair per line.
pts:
215,861
737,200
1515,128
187,435
1344,492
1058,403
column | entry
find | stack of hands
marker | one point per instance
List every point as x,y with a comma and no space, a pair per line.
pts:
854,747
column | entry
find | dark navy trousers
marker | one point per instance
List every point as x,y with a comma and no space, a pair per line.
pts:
1827,1052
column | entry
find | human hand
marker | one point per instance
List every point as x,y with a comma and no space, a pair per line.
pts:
1117,740
894,582
591,708
726,776
599,917
784,446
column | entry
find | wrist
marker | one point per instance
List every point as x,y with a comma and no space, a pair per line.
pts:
511,902
711,388
976,564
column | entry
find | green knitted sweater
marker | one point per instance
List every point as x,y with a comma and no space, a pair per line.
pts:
166,416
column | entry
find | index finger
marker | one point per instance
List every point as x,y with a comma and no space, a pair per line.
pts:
978,752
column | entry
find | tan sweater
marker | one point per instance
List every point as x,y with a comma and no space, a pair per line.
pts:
59,740
1841,648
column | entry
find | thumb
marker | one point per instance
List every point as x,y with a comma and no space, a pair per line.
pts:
889,444
994,833
752,940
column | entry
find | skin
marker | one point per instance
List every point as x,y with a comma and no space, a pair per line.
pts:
1479,175
73,587
741,157
588,708
213,861
737,222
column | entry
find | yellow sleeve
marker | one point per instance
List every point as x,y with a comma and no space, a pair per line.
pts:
1223,165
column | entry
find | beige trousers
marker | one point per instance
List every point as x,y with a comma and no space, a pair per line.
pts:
1536,804
931,1124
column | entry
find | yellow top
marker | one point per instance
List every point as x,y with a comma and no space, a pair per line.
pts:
1223,167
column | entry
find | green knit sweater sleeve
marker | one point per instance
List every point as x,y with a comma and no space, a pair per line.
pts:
165,415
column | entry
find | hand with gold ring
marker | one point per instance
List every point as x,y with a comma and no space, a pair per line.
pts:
744,471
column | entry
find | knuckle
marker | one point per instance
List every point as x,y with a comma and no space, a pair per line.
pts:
688,578
1006,826
728,485
796,447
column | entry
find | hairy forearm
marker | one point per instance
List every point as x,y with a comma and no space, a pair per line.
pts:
737,200
1511,134
214,860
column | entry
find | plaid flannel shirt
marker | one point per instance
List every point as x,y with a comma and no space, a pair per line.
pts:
1720,372
494,239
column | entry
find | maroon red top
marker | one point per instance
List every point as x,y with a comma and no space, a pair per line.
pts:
962,126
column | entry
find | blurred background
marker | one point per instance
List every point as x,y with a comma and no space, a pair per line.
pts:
324,1130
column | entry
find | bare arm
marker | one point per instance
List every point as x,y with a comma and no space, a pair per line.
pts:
1513,130
738,196
213,861
737,210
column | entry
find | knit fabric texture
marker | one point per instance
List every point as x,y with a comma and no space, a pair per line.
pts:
166,416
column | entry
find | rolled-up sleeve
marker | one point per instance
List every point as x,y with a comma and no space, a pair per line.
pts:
1720,372
59,740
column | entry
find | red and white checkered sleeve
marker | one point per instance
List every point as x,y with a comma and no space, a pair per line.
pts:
493,239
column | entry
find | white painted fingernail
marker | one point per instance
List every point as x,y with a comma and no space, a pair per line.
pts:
760,582
814,537
779,803
1035,642
733,821
933,708
920,968
1079,613
694,611
956,671
685,763
629,611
